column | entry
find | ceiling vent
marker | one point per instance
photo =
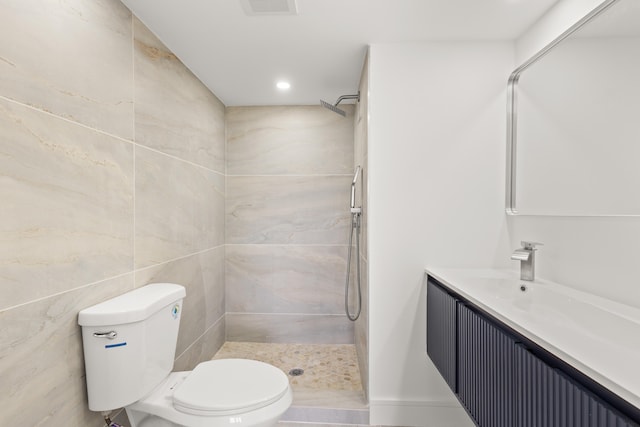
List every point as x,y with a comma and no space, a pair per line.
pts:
269,7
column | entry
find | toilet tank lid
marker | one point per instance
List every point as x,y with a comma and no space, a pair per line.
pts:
133,306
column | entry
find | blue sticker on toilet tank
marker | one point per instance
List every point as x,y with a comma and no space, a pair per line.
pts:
120,344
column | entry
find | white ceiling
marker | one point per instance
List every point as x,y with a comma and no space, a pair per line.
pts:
320,50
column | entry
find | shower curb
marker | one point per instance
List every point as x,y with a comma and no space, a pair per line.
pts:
326,415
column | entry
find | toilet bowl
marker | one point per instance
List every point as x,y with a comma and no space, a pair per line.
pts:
129,343
220,393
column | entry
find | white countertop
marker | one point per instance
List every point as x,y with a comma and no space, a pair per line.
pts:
599,337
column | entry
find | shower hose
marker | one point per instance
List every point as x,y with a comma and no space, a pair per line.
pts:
355,225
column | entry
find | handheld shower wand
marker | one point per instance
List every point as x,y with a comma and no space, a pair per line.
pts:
353,191
355,225
334,107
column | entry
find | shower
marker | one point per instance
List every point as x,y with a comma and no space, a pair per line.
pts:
334,107
355,226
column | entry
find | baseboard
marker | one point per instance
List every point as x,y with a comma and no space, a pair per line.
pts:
418,414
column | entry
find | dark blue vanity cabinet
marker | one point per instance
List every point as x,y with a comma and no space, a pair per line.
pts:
504,380
485,370
441,338
547,396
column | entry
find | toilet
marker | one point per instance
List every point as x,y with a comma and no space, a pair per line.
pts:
129,345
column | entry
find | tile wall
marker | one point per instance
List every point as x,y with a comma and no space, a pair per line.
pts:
112,159
361,157
289,172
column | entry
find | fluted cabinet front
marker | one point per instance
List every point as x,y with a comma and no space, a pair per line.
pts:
485,370
441,335
548,398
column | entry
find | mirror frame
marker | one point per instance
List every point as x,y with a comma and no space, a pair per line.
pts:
512,111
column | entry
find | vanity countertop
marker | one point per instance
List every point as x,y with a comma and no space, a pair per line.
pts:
597,336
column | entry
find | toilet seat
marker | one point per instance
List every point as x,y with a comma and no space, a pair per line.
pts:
229,386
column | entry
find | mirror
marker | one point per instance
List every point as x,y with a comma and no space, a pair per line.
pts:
574,120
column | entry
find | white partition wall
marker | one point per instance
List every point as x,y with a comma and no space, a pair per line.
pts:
436,196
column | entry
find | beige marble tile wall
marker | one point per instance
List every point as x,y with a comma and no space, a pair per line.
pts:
111,177
287,221
361,158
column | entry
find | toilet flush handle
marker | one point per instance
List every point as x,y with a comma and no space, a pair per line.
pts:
109,335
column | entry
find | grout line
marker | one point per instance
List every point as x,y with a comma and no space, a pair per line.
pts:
135,212
226,193
178,258
102,132
288,344
291,175
133,73
135,271
65,119
133,126
202,335
286,314
65,292
330,245
171,156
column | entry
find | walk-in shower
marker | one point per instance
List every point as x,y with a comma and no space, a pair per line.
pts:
356,213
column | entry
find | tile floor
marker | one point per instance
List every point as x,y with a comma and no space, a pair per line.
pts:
329,390
326,366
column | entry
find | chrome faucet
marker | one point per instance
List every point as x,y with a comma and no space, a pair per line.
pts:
527,257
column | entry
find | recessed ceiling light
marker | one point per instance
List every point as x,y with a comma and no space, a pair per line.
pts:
282,85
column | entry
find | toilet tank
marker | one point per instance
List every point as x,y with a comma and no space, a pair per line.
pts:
129,343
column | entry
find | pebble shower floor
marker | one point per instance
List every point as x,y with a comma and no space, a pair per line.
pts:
326,366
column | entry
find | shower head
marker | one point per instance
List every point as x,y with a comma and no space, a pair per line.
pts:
334,107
